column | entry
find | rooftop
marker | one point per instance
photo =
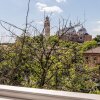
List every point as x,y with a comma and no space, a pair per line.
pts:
94,50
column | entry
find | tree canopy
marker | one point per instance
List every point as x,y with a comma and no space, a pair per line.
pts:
52,64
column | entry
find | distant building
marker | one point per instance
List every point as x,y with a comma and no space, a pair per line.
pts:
92,57
47,27
70,34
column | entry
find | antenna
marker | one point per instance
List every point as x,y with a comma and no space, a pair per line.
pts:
44,22
77,20
84,17
44,15
50,15
59,24
67,20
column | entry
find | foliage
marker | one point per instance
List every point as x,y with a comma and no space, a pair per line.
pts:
35,61
97,38
88,45
41,63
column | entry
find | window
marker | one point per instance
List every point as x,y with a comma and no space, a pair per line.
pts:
81,38
87,59
95,59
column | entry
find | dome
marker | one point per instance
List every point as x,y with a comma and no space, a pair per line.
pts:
68,30
71,30
82,30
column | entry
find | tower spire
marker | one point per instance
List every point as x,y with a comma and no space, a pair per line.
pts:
47,27
84,17
70,24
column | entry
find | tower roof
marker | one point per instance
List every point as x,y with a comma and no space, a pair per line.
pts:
82,30
47,18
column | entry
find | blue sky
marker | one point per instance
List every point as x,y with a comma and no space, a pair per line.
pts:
14,11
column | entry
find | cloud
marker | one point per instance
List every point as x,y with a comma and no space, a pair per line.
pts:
44,7
61,1
98,22
39,22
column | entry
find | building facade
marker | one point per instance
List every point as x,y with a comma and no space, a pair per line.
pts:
47,27
70,34
92,57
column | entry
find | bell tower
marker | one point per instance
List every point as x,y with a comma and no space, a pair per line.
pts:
47,27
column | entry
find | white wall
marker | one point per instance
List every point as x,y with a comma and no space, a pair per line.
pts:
42,94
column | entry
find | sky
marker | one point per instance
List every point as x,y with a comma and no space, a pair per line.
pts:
14,11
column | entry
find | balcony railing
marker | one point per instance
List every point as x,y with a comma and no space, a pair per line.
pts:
23,93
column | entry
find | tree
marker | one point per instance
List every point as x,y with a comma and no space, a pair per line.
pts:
35,61
97,38
88,45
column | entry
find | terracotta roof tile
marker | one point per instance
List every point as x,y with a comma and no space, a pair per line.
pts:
93,50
